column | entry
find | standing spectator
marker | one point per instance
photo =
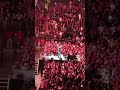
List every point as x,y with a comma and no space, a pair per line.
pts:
20,38
9,39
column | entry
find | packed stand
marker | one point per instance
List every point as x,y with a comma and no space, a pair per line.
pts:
102,44
12,15
64,75
102,12
102,59
15,20
27,57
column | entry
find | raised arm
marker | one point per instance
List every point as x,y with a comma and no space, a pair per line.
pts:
107,39
117,40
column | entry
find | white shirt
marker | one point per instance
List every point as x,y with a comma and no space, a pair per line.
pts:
105,75
100,29
110,18
112,6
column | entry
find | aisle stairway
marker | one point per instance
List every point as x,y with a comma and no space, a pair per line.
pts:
4,83
37,67
8,60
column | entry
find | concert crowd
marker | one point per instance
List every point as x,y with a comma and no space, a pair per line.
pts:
60,22
64,75
61,26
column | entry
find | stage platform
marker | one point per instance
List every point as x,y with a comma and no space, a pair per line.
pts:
53,57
